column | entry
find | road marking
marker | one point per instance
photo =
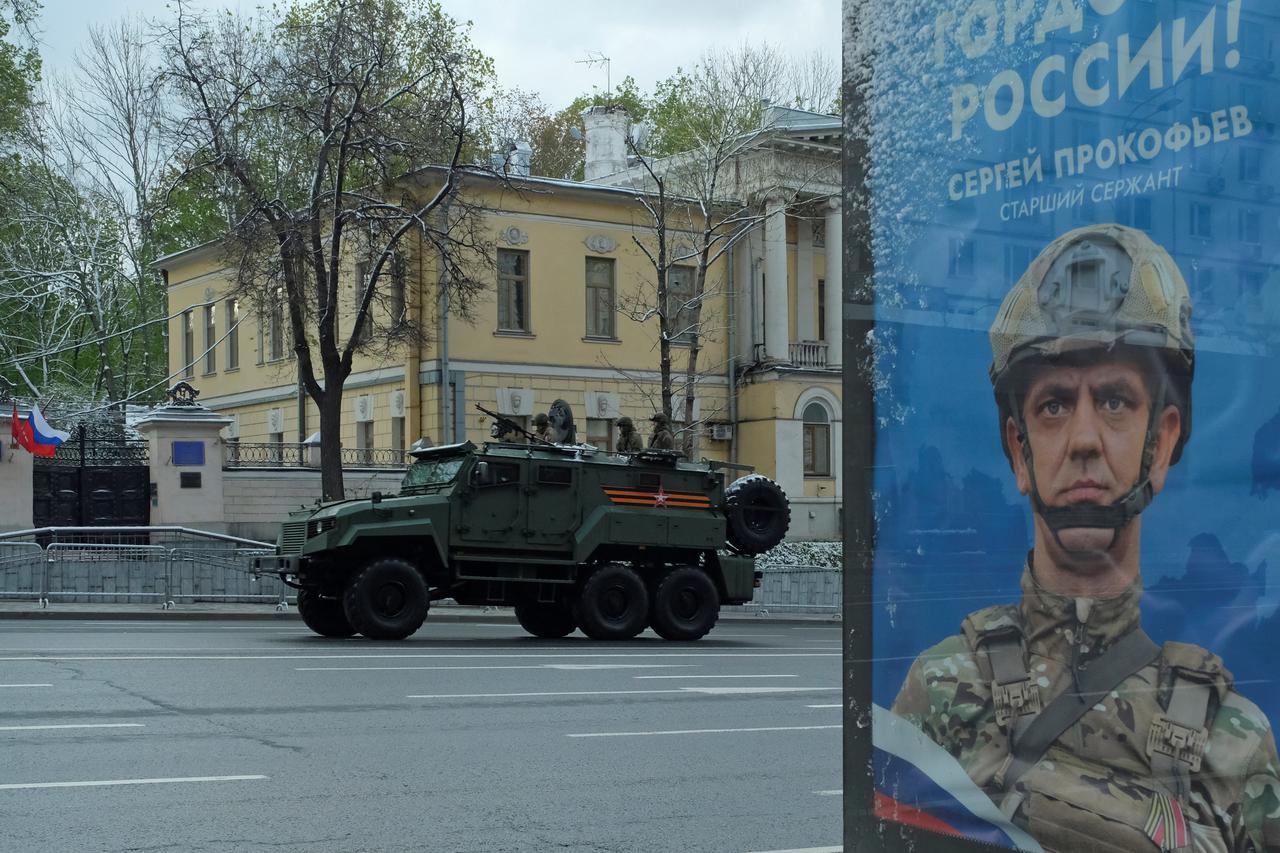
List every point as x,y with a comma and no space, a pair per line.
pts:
838,792
561,666
837,705
118,658
807,850
716,676
26,685
73,726
107,782
714,691
705,731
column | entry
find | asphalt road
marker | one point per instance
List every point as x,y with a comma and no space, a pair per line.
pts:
248,735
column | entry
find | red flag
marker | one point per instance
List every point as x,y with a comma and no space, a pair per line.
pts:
22,431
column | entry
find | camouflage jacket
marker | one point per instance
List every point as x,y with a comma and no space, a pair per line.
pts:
1095,787
629,442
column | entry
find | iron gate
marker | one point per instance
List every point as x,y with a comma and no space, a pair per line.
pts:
99,477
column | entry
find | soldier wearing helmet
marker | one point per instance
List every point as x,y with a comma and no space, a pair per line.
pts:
1081,729
662,438
628,439
542,426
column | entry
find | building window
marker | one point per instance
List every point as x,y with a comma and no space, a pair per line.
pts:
364,435
1250,164
210,339
513,290
1250,227
365,332
679,310
817,441
819,234
397,433
275,325
600,433
600,298
960,259
399,301
1200,221
188,344
822,309
276,453
233,334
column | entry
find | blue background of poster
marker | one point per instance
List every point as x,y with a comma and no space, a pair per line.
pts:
952,529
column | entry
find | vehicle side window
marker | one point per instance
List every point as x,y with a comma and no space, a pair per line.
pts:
554,475
504,473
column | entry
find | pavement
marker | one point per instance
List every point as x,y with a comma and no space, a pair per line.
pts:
12,608
254,734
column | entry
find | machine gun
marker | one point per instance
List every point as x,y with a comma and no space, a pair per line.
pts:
503,425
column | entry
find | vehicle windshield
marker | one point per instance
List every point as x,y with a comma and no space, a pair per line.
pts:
432,472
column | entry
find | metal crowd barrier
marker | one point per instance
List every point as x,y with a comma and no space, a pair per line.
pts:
164,564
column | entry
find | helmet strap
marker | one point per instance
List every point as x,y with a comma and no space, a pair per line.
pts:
1114,516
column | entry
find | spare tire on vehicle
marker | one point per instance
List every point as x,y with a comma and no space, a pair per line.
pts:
757,514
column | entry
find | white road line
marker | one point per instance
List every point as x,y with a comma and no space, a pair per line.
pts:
26,685
108,782
838,792
837,705
715,676
704,731
712,691
118,658
73,726
807,850
561,666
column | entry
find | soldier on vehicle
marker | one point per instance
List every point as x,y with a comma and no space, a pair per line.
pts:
628,439
662,438
1073,721
542,426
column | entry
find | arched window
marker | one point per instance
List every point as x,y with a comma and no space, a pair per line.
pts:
817,441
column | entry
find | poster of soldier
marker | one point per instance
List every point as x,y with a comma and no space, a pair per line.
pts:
1074,232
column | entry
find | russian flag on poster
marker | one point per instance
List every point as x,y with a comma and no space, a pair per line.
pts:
921,784
46,438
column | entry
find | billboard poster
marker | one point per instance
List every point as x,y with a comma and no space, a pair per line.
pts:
1075,239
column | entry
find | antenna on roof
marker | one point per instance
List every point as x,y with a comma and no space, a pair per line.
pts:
594,58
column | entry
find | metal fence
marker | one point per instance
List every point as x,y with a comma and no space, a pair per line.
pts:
135,565
289,454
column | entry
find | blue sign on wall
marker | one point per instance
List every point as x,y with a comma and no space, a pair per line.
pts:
188,453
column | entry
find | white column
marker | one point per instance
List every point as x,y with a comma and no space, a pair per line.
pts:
806,283
775,281
834,304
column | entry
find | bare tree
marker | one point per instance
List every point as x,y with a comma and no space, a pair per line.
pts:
701,201
343,127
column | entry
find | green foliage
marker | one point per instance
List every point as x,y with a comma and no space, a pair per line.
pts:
19,72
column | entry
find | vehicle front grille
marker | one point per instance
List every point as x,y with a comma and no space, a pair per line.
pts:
292,537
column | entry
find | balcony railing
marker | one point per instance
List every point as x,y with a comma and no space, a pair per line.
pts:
241,454
809,353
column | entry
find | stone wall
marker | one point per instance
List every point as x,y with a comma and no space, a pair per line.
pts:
256,500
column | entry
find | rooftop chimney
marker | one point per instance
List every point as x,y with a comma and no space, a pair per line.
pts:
606,141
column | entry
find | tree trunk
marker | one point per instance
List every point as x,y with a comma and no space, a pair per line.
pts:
691,373
330,405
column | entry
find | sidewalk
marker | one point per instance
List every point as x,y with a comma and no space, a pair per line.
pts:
210,611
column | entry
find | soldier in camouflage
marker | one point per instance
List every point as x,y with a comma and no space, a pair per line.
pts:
662,438
628,439
1084,732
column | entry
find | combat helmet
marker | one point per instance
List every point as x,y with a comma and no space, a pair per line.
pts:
624,422
660,418
1101,289
540,419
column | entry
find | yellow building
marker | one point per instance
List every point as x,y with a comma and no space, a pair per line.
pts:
552,327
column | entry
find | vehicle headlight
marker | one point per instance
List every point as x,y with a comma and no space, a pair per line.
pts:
322,525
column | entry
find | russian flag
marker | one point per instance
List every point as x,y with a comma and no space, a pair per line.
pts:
921,784
46,439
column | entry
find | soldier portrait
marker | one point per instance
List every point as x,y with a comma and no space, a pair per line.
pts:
1084,732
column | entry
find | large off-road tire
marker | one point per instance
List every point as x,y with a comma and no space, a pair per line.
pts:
613,604
757,514
551,621
387,600
325,616
685,606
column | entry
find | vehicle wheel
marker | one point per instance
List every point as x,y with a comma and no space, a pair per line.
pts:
325,616
545,620
387,600
613,604
686,605
757,514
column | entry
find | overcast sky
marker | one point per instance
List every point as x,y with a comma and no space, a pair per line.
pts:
536,45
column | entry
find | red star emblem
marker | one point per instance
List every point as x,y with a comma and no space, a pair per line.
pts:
660,499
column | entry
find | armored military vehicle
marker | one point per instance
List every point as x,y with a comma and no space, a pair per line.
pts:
569,536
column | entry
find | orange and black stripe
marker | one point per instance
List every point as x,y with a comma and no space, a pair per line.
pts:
649,497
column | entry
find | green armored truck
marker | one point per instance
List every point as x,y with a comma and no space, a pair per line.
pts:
569,536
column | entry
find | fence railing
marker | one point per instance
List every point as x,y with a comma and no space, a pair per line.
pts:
133,564
809,353
287,454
